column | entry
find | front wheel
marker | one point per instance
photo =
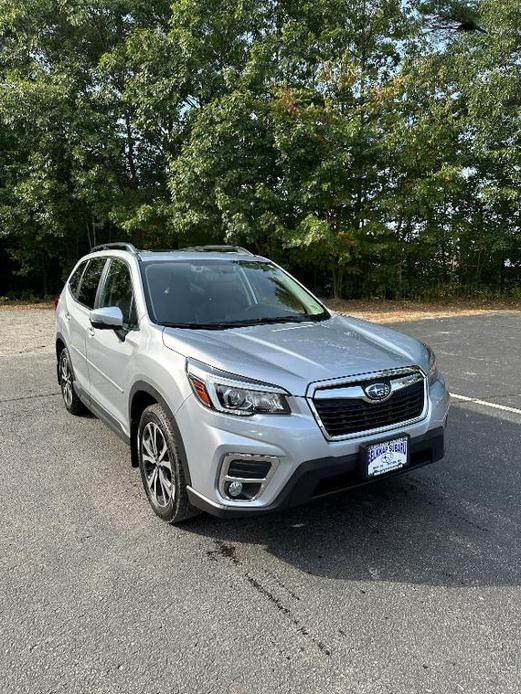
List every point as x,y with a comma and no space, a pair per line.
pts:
160,466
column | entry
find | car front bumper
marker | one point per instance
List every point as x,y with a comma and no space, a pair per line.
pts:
309,466
315,479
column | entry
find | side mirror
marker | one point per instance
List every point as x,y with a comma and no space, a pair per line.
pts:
109,318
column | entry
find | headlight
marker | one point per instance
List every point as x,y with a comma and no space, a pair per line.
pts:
236,397
433,367
247,401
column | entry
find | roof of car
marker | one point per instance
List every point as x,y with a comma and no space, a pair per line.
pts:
190,253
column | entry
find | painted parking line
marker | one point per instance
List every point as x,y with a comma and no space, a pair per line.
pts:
477,401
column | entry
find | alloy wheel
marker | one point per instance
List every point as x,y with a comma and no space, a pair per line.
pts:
66,379
157,465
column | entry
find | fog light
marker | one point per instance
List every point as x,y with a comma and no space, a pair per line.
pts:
235,488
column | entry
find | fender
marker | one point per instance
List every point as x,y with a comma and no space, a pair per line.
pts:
150,390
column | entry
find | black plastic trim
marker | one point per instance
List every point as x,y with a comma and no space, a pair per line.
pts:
147,388
102,414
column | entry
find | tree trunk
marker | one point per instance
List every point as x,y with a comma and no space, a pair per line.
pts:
130,147
338,280
399,293
45,288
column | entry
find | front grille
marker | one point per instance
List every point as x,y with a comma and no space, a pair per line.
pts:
348,416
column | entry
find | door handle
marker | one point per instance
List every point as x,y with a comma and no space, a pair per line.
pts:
91,332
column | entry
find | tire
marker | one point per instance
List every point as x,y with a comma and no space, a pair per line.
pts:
66,379
160,466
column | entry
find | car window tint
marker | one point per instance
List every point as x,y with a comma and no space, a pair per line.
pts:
90,281
223,291
275,289
117,291
75,279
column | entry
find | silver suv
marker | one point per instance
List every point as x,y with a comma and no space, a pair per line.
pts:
237,389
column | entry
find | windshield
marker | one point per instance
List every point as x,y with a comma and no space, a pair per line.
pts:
224,293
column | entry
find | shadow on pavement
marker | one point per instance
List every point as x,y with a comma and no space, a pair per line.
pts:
455,523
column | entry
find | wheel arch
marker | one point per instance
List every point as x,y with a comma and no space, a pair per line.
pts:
60,344
143,394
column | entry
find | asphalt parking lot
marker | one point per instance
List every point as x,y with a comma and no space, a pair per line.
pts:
412,585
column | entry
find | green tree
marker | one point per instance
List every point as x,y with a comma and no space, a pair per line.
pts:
375,142
286,138
77,167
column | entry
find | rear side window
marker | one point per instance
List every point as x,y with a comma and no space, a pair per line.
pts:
89,282
117,291
74,281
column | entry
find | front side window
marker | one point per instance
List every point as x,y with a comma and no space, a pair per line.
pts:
89,282
117,291
216,293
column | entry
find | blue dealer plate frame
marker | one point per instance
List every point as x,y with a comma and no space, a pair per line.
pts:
381,458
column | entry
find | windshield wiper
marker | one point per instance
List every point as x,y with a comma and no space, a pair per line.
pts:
288,319
200,326
319,316
245,323
278,319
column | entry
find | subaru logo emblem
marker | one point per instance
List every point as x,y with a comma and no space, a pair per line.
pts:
378,391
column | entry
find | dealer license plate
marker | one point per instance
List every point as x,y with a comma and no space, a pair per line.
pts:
386,456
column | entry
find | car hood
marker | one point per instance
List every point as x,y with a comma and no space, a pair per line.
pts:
294,355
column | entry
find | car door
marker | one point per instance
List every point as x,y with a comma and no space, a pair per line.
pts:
110,351
80,302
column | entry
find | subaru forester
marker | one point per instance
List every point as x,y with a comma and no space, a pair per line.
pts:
237,390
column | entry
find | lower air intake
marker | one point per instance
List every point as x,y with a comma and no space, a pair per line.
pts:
249,469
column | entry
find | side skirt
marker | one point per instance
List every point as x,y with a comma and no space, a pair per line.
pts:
101,413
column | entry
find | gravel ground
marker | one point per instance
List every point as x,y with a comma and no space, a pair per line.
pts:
26,332
412,585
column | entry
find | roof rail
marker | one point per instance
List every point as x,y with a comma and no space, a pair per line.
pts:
117,247
217,249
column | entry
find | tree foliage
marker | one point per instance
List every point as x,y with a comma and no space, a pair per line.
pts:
374,145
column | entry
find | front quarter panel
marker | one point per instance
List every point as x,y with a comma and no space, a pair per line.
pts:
163,369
